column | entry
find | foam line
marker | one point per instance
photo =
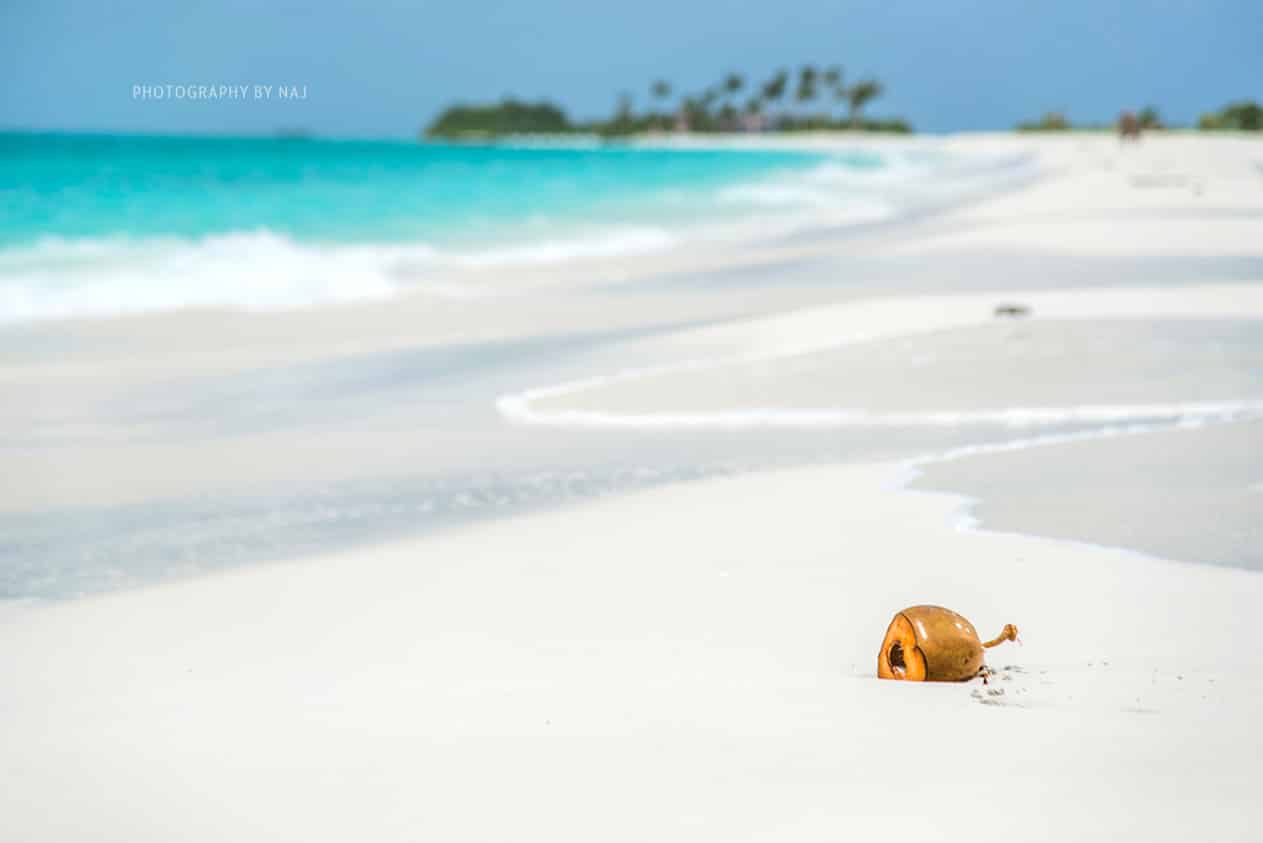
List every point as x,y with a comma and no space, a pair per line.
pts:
518,409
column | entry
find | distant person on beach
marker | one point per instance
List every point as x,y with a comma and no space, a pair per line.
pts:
1128,126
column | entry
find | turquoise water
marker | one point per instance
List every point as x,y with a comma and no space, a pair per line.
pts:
97,186
100,225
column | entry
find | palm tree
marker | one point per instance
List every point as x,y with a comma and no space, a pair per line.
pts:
661,91
728,88
806,84
860,94
774,88
834,88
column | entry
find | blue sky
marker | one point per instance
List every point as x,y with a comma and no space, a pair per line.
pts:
384,67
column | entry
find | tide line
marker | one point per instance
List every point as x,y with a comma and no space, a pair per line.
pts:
801,333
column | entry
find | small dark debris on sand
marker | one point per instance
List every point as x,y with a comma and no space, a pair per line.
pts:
1011,311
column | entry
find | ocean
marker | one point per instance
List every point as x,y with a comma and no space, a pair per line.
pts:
100,225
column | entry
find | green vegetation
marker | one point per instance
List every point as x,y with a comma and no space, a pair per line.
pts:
806,100
1149,118
859,95
1052,121
510,117
732,104
1245,116
1057,121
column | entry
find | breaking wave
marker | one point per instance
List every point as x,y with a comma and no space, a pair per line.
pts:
261,270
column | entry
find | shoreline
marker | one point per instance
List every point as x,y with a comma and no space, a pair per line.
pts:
714,305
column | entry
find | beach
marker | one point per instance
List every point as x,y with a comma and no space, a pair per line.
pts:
603,546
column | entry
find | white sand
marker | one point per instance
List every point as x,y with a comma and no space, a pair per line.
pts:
694,662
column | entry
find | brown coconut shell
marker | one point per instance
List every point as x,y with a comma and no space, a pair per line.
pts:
933,644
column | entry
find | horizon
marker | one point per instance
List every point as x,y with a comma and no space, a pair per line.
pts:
368,79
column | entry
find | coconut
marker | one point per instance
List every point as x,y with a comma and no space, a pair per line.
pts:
933,644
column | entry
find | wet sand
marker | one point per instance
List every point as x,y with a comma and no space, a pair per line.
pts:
1182,494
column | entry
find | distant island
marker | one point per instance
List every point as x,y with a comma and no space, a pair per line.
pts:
810,99
807,100
506,118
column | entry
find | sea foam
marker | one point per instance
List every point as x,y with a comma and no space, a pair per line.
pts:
261,270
